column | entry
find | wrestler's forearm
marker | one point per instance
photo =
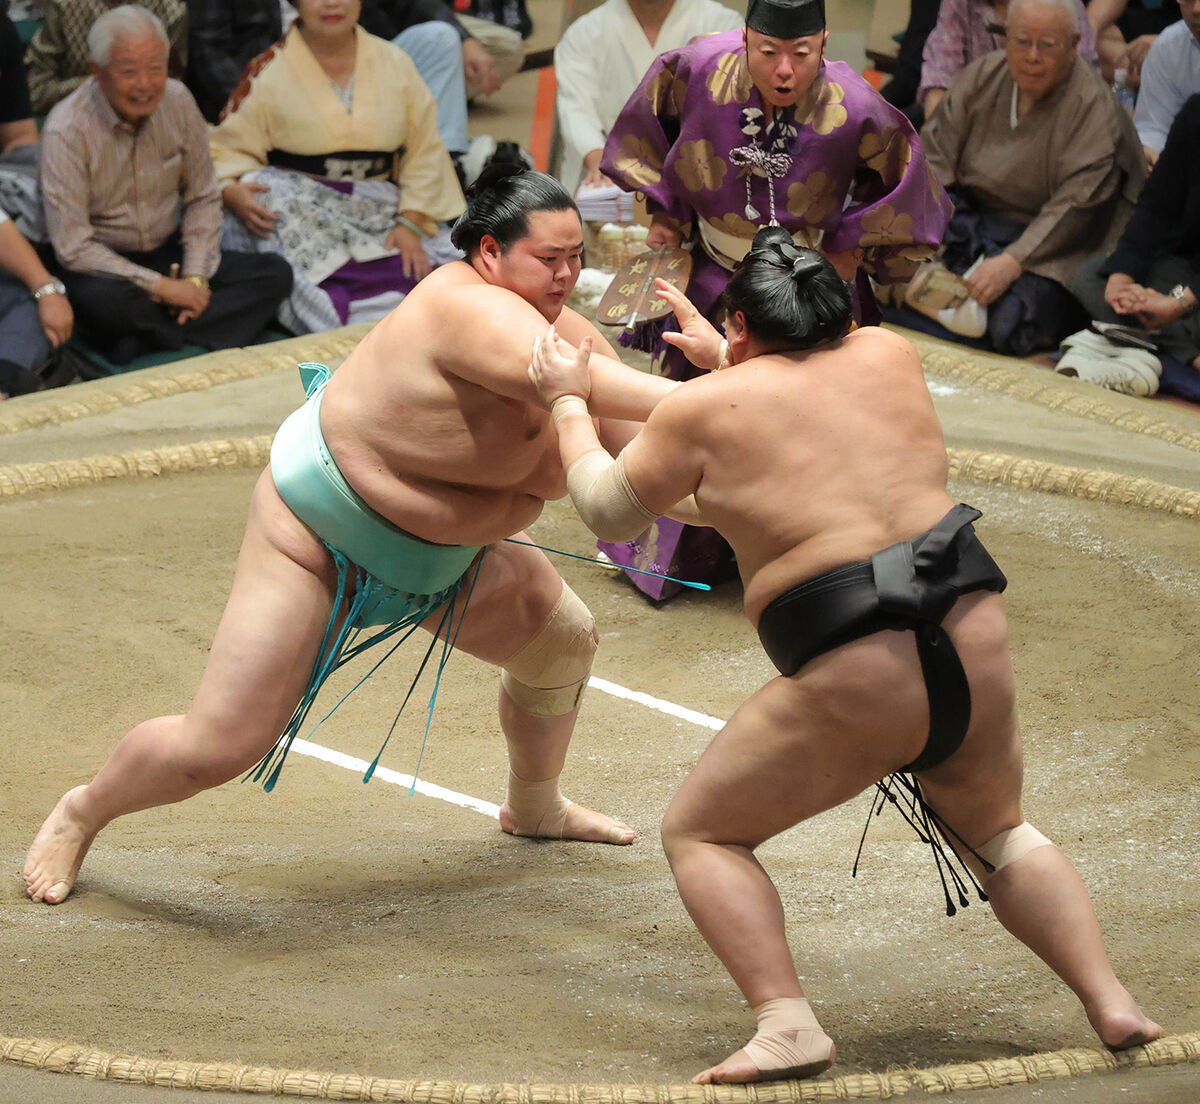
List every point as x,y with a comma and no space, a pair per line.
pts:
598,485
621,392
616,433
576,431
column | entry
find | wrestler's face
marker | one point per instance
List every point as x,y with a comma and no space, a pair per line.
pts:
541,267
1040,46
328,18
783,69
135,79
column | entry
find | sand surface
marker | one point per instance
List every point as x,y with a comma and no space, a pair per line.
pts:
336,926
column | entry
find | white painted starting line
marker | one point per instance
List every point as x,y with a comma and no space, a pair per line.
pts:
430,789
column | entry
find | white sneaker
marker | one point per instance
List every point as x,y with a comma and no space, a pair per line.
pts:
1130,375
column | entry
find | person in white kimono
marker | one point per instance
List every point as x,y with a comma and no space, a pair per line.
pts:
601,60
328,153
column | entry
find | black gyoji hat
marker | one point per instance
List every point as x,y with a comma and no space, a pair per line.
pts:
786,19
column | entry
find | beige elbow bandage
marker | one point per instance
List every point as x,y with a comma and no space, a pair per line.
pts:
548,675
1005,848
605,500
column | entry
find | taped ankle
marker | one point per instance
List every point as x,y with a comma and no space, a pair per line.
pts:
789,1038
537,808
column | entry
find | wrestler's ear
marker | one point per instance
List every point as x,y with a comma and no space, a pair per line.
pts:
489,250
736,334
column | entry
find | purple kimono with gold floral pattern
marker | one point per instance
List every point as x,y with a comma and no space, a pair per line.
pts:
841,170
682,138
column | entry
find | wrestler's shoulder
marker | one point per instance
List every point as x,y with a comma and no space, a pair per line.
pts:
878,341
457,286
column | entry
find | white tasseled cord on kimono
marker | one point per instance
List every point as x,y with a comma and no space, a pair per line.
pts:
772,165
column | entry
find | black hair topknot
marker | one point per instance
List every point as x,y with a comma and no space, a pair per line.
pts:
788,293
500,202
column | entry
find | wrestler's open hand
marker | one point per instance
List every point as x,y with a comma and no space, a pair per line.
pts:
559,369
698,339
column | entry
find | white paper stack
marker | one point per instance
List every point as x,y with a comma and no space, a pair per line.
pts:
604,203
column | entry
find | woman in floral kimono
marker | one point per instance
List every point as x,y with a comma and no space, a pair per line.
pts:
328,153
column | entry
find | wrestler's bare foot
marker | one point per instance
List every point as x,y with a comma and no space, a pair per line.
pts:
739,1068
53,862
580,823
1123,1024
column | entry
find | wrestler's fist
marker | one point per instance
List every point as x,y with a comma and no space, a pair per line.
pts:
559,369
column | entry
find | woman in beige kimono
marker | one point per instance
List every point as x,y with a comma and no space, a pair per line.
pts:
328,153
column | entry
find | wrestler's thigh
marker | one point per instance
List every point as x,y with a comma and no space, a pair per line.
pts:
805,744
514,595
978,789
270,631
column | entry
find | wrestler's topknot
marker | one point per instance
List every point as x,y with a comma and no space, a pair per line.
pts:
788,293
500,202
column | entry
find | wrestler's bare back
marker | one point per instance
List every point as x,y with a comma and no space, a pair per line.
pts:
810,460
446,457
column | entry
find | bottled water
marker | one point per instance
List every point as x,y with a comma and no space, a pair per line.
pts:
1125,95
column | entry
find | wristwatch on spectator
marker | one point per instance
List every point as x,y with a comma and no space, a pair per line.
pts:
54,287
1180,292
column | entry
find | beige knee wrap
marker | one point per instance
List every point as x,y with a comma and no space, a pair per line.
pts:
547,676
1005,848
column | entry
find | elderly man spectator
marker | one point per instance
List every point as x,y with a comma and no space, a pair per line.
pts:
57,60
223,37
35,316
1152,278
1170,74
1044,168
600,60
968,29
133,210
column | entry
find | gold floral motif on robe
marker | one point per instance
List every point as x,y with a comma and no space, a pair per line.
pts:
730,81
699,167
903,263
885,225
666,93
639,161
888,152
811,199
734,224
821,107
